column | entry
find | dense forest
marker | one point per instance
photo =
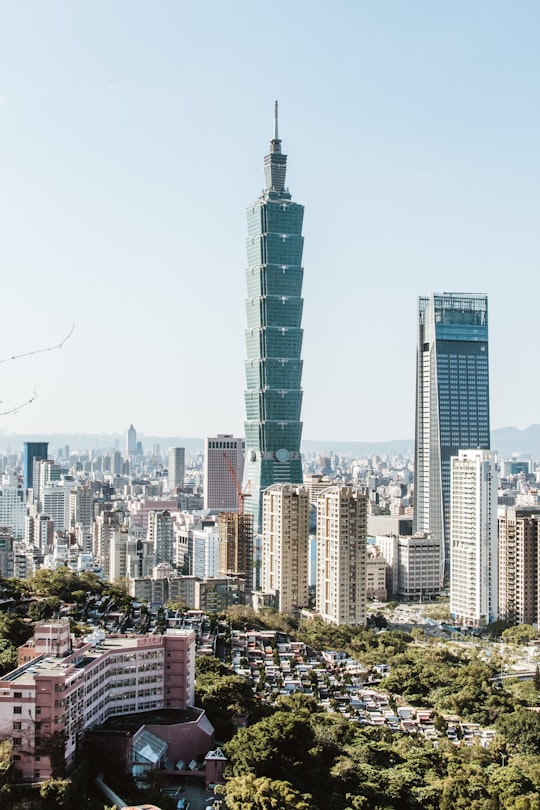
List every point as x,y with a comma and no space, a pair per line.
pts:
296,754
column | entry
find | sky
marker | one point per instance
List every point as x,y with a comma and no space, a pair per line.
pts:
132,137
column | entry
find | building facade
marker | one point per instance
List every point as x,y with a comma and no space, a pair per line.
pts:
71,686
176,467
452,402
285,543
341,555
519,565
32,451
473,538
222,472
274,335
235,550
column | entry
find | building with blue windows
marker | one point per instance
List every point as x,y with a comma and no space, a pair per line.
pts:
274,335
452,402
33,451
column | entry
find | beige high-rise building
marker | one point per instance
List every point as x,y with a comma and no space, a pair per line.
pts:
285,539
519,565
341,555
235,553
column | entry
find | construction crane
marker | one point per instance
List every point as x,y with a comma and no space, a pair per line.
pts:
241,495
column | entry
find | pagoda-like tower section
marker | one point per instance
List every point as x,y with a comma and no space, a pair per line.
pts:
274,335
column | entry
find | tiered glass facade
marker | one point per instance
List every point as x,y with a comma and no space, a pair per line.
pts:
452,401
273,336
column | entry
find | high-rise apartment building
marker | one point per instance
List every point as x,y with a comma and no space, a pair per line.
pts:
235,550
161,535
81,507
473,538
285,542
274,335
452,401
222,472
341,555
176,467
32,451
12,506
519,565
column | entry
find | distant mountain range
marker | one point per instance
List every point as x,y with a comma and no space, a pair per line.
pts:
507,441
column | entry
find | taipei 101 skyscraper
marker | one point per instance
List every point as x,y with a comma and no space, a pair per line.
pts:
274,335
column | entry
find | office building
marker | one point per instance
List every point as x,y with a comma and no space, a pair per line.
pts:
341,555
176,467
285,542
473,538
32,451
452,402
414,564
73,685
222,472
519,565
235,550
131,442
274,335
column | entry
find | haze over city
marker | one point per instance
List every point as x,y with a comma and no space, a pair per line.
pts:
132,139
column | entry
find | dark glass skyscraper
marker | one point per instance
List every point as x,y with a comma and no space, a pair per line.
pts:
452,401
32,451
273,336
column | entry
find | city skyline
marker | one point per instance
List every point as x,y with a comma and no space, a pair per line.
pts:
415,152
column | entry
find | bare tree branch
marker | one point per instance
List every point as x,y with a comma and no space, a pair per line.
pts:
30,399
40,351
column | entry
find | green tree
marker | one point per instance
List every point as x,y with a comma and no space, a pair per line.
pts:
521,634
14,629
208,664
521,731
249,792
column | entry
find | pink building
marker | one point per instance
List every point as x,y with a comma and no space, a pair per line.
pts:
62,687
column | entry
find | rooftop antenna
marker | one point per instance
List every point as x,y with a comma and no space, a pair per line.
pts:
275,121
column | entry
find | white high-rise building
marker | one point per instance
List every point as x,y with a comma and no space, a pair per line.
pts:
206,551
161,535
12,506
176,467
221,454
473,538
285,540
341,555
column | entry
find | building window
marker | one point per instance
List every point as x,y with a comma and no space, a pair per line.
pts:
17,726
17,694
17,710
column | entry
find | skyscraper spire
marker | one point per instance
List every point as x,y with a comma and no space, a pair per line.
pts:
275,164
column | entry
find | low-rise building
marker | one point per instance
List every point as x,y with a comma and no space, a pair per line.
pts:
62,687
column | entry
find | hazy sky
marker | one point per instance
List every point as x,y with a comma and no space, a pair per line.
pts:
132,136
